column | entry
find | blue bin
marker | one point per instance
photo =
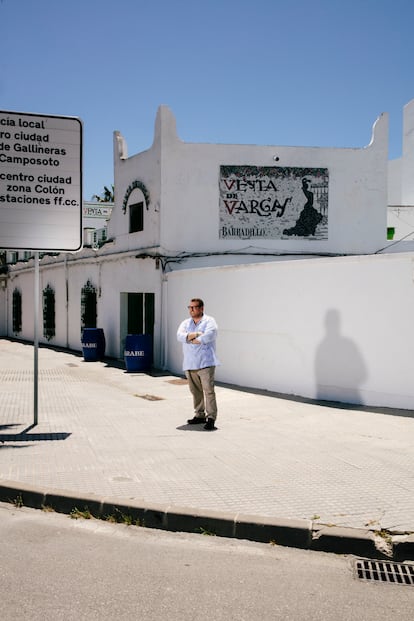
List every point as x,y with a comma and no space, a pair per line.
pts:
138,353
93,344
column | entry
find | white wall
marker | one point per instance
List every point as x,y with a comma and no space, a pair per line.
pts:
23,282
110,275
332,328
400,170
408,155
402,219
145,168
183,184
401,183
329,328
357,193
394,182
127,275
3,308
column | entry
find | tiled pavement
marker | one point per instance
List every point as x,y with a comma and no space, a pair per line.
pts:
106,432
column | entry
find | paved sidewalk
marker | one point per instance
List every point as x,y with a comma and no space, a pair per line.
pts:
104,432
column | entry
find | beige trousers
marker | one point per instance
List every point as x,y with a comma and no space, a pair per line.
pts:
201,385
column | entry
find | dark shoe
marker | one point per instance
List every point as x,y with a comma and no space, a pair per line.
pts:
209,426
197,420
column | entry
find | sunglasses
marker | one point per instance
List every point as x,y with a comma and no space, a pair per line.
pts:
193,307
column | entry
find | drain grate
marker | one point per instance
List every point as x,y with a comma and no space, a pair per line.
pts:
384,571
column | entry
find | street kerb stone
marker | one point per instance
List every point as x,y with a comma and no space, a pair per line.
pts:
65,501
346,541
151,516
292,533
404,548
20,494
200,521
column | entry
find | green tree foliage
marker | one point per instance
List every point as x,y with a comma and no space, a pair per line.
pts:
107,195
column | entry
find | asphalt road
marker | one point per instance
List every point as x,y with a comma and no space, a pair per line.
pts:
55,567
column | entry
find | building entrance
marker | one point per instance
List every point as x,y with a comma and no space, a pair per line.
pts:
137,315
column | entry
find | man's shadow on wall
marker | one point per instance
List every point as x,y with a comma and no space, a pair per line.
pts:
340,369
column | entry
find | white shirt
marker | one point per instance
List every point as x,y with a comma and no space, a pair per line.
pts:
203,355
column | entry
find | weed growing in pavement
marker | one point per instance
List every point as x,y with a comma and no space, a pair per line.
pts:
48,509
127,519
205,531
111,518
114,518
76,513
18,501
123,518
384,535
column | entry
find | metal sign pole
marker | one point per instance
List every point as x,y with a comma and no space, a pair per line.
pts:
36,336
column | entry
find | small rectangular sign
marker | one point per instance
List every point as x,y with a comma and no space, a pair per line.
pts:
40,182
96,212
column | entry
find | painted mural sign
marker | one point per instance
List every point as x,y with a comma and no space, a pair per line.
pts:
273,202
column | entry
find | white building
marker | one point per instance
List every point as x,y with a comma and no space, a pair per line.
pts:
286,245
95,218
401,183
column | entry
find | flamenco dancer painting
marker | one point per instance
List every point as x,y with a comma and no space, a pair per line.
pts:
309,218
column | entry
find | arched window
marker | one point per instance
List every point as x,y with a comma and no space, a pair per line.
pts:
17,311
48,313
88,306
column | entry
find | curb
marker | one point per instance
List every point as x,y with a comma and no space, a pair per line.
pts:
294,533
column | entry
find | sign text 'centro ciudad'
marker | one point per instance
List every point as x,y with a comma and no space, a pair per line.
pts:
40,182
273,202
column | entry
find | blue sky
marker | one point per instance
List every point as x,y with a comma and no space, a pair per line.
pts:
308,73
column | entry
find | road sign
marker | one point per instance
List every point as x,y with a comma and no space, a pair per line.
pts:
40,182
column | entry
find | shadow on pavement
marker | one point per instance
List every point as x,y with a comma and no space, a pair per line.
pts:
25,436
194,428
338,405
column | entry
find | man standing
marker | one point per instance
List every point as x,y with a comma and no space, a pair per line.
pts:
198,335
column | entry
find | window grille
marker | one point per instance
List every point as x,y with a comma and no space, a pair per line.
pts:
17,311
48,313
